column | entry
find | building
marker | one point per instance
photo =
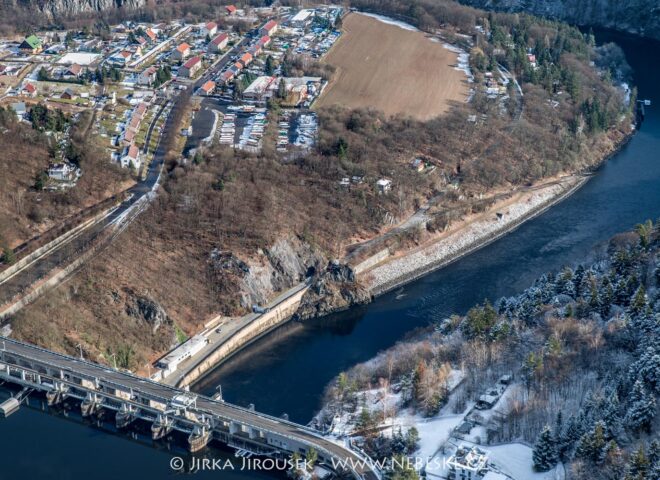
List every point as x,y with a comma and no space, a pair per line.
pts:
246,59
181,52
230,9
130,158
208,88
63,172
151,34
29,90
269,28
227,76
417,164
31,44
191,67
468,463
74,70
264,41
172,360
121,58
218,43
210,29
258,89
69,94
301,18
148,76
384,185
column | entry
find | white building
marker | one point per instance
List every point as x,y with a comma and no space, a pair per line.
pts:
172,360
301,18
384,185
468,463
131,157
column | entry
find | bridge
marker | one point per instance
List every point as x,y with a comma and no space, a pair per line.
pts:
168,409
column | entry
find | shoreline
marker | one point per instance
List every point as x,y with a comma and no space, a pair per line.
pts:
430,261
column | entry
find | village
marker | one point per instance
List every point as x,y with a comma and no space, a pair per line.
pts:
128,74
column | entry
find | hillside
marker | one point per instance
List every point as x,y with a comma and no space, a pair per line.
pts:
641,17
28,211
229,229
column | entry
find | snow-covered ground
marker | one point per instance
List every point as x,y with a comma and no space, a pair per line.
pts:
391,21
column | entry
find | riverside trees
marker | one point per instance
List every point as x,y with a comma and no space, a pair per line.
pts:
584,341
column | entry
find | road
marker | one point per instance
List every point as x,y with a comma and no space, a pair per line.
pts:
220,408
227,331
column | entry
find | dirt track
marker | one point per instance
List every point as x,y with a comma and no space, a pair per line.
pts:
391,69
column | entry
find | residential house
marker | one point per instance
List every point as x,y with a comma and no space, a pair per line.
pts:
29,90
264,41
210,29
230,9
218,43
468,463
69,94
181,52
128,137
207,88
148,76
227,76
31,44
151,34
269,28
121,58
245,59
130,158
74,71
191,67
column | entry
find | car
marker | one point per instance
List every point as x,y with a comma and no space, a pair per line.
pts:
218,330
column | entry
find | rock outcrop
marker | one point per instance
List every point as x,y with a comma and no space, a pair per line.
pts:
641,17
332,290
147,310
52,9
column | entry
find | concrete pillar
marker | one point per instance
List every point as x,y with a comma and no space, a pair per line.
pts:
234,427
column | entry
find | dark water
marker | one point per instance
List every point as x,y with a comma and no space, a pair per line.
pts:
287,372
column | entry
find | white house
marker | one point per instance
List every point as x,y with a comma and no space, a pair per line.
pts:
218,43
210,29
148,76
468,463
130,157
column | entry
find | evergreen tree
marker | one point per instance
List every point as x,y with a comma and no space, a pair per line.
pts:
544,455
642,408
638,464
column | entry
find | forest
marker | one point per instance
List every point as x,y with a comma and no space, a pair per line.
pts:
583,344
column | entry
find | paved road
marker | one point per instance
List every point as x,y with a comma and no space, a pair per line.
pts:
226,333
257,420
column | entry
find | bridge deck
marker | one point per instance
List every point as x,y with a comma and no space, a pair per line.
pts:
205,405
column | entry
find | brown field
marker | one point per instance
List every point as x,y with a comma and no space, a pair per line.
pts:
391,69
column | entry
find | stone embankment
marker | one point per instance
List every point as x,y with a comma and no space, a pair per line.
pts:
398,270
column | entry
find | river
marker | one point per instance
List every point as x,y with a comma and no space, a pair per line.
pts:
287,371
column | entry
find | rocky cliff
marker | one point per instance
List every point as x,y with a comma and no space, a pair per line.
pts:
641,17
66,8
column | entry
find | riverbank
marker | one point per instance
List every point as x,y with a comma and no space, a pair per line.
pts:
471,234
